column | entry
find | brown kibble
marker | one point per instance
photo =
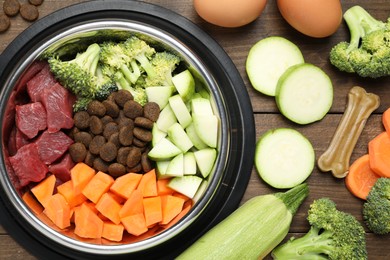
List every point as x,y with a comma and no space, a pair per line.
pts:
132,109
142,134
73,131
146,163
122,96
152,111
96,125
114,138
11,7
112,108
136,169
139,143
100,165
89,159
77,152
4,23
134,157
29,12
36,2
143,122
116,169
122,155
107,119
83,137
125,121
108,152
96,108
81,119
96,143
126,135
109,129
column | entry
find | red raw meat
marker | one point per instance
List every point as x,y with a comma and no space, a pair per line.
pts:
35,68
62,169
58,108
31,118
39,83
52,146
11,143
27,165
21,139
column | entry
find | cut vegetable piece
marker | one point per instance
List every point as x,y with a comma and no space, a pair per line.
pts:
197,142
109,208
304,93
386,120
135,224
186,208
206,127
185,84
81,174
361,177
179,137
166,118
32,202
44,190
157,134
268,59
99,184
202,188
148,185
162,187
161,167
176,166
379,152
159,95
72,196
133,205
187,185
87,223
126,184
171,207
163,150
180,110
152,210
201,106
58,211
284,158
112,232
205,160
189,164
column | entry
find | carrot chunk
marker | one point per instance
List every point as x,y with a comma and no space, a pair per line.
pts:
87,223
135,224
113,232
81,174
58,211
32,202
186,208
162,187
72,196
44,190
124,185
379,152
152,210
98,185
109,208
386,120
133,205
171,207
148,184
361,177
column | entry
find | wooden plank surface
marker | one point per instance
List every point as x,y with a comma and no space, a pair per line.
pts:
237,43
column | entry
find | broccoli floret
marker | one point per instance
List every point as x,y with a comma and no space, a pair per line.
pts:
106,85
138,91
333,235
368,52
164,63
376,210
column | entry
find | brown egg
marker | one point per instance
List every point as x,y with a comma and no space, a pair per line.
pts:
315,18
229,13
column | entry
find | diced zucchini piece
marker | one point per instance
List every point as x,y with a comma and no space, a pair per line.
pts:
201,106
163,150
191,132
184,84
176,166
180,110
179,137
159,95
187,185
166,118
206,127
205,160
189,164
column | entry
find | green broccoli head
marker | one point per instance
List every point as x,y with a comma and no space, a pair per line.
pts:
164,63
376,210
140,51
368,52
333,235
113,55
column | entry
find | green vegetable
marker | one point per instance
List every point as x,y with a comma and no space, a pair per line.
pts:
376,210
252,231
368,52
333,235
284,158
304,93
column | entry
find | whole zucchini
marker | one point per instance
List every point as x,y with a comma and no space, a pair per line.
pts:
251,231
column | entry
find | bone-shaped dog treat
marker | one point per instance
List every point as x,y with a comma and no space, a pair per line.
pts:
336,158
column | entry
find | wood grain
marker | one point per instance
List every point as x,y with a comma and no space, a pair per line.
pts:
237,42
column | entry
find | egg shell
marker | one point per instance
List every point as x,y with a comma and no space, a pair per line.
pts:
315,18
229,13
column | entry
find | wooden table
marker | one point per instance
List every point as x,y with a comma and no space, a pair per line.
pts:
237,43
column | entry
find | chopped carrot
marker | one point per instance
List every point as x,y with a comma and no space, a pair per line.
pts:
32,202
135,224
97,186
180,195
171,207
116,197
148,184
186,208
112,232
379,152
87,223
44,190
386,120
162,187
152,210
128,239
58,211
73,197
361,177
125,184
134,205
109,207
81,174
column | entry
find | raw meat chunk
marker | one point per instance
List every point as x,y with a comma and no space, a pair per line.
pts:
62,169
52,146
31,118
39,83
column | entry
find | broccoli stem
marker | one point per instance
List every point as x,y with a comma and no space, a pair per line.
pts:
360,23
132,76
313,245
88,60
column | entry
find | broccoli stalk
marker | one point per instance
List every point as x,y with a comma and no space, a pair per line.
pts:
376,210
333,235
368,52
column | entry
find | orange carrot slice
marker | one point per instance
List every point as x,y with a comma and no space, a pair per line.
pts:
58,211
124,185
152,210
148,184
134,205
386,120
72,196
135,224
379,152
97,186
87,223
32,203
44,190
81,174
186,208
162,187
112,232
171,207
361,177
109,207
